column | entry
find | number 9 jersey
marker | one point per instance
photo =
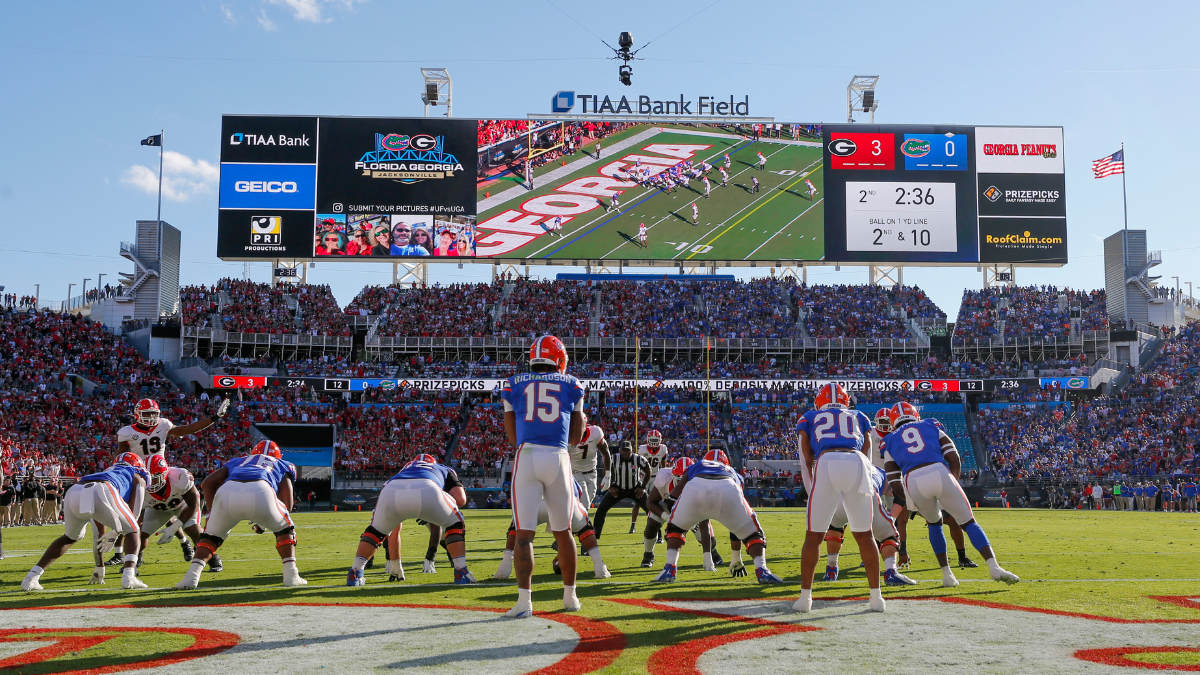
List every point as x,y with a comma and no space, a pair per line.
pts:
916,444
542,403
146,443
835,428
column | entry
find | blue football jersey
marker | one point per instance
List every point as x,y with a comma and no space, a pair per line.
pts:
834,428
440,474
707,467
915,444
543,403
260,467
121,476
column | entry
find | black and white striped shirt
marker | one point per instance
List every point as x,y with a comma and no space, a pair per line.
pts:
631,473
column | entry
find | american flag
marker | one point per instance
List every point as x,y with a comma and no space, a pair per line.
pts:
1109,166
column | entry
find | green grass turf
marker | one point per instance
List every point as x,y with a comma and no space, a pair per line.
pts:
1100,563
779,222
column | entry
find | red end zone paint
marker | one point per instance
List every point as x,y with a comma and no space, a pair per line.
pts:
1119,656
207,643
600,643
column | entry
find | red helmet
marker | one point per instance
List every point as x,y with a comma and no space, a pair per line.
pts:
883,421
717,456
654,438
832,395
903,413
130,459
157,466
548,350
146,413
268,448
681,466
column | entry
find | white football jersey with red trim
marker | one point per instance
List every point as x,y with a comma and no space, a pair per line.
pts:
583,455
179,482
657,457
146,443
876,454
664,480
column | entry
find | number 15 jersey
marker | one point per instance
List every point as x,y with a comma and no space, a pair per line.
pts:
542,403
835,428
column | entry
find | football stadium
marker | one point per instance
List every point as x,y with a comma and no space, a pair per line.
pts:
619,408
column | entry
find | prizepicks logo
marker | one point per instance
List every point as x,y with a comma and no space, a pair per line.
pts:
563,102
266,230
408,159
993,194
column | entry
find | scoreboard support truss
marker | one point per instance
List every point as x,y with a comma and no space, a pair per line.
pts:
882,275
999,275
410,272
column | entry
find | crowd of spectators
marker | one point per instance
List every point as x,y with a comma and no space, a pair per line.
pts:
319,311
768,431
255,308
860,311
375,440
338,366
456,310
1039,313
373,299
534,308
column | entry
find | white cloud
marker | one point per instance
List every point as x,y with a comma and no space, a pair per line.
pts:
304,10
228,14
183,177
266,22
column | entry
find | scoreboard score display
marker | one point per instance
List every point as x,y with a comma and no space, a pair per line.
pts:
949,194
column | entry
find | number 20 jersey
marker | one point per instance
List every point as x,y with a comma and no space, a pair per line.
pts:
835,428
146,443
260,467
916,444
542,403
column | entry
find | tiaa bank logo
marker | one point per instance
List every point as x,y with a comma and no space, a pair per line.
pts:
562,102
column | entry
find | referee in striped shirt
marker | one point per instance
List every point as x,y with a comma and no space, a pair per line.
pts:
629,472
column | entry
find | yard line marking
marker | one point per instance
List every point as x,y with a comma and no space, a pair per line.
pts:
814,205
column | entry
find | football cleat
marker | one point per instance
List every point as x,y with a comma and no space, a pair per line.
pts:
648,559
130,582
948,580
519,612
571,603
737,568
463,577
667,574
30,583
964,561
602,572
292,578
187,585
894,578
766,576
877,604
717,559
1001,574
428,567
831,573
117,559
803,605
632,528
189,551
355,578
215,564
660,539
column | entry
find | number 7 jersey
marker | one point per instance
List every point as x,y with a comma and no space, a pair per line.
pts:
542,403
146,443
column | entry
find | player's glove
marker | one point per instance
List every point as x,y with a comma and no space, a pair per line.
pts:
257,528
220,410
169,531
422,523
97,576
737,568
107,542
605,482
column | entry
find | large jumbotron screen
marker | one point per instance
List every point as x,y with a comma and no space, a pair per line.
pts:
384,189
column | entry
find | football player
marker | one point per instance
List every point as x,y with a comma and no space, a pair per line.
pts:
832,440
109,499
921,463
762,162
543,417
580,525
711,489
257,488
584,466
424,490
172,500
642,237
655,452
659,503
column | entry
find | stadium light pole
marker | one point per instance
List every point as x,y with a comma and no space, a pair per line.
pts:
860,96
37,296
439,88
83,293
99,282
68,305
1176,287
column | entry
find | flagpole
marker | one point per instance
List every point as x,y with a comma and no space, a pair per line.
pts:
1125,205
161,136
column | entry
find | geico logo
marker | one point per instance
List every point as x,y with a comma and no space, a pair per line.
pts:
264,186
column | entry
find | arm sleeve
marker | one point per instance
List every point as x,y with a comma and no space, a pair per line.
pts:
452,481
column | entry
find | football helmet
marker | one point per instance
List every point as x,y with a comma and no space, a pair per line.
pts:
146,413
548,350
654,438
717,456
425,458
832,395
883,421
157,466
269,448
682,465
903,413
129,459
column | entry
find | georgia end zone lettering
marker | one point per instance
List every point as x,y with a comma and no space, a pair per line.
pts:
514,228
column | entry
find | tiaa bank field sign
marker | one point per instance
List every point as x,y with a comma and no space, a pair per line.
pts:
566,101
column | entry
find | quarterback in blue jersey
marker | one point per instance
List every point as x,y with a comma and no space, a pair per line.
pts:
543,417
922,464
836,446
711,490
109,499
424,490
257,488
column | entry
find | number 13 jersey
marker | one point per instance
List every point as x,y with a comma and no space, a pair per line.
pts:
542,403
146,443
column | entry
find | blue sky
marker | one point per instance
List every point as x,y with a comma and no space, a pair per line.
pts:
84,82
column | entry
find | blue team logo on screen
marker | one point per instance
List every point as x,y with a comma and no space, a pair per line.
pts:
934,152
268,186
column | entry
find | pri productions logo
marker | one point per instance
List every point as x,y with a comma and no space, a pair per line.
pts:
563,102
993,194
409,159
266,230
915,147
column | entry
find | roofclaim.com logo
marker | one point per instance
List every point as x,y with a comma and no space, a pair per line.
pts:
1026,238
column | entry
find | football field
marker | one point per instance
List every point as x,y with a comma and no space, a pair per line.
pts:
780,220
1100,592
